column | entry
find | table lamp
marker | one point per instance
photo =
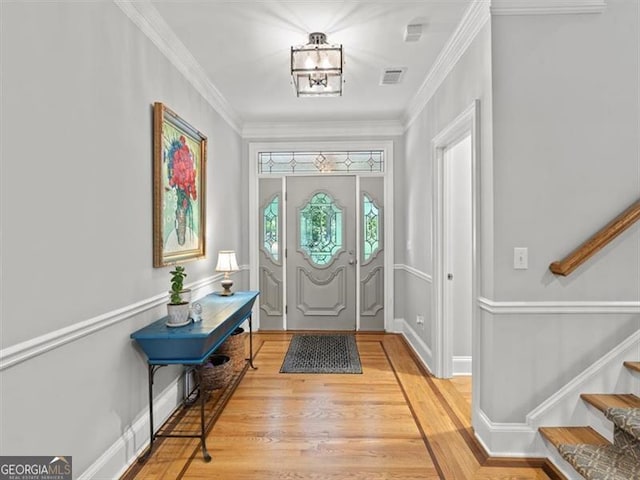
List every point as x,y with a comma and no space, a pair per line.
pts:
227,263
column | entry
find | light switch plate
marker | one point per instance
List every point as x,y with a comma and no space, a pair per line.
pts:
520,258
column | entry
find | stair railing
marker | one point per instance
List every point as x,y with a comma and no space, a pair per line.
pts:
597,242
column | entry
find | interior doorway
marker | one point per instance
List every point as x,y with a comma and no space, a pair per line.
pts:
455,245
457,251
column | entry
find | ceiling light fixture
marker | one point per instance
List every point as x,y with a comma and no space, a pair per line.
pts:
316,68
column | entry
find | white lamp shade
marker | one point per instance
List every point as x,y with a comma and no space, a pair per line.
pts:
227,261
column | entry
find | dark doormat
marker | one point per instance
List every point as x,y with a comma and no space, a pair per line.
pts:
322,354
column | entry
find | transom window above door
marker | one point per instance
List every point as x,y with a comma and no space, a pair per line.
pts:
321,229
278,163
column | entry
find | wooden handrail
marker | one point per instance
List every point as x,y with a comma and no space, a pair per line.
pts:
597,242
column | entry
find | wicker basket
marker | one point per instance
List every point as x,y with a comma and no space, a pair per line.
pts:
215,373
234,348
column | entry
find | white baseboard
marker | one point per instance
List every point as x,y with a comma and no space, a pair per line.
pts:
461,366
126,449
518,440
419,346
398,325
505,439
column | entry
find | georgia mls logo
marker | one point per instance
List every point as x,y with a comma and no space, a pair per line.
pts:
62,462
35,468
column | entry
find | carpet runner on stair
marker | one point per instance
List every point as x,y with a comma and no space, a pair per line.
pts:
592,455
626,434
620,461
601,462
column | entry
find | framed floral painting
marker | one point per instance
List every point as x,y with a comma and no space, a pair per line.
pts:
179,173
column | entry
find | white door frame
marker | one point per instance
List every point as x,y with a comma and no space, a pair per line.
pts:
254,209
468,122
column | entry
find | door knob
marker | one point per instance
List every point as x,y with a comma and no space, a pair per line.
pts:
449,276
352,262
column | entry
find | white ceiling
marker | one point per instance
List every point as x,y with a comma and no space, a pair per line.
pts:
244,49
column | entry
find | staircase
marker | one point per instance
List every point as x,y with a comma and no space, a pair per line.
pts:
591,454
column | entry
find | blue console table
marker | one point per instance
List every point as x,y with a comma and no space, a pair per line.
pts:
192,345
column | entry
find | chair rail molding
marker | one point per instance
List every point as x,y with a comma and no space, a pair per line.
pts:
28,349
413,271
557,307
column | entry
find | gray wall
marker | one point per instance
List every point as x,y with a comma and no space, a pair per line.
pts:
565,149
78,83
559,159
469,80
566,161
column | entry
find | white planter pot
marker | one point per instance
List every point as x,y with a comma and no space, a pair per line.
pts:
178,314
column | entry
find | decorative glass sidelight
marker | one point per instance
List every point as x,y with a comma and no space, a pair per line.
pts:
371,227
271,227
321,229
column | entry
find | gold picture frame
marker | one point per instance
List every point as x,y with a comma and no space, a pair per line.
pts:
179,189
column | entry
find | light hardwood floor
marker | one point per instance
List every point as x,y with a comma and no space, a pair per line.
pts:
392,422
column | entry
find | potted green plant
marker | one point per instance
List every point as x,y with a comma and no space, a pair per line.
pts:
178,307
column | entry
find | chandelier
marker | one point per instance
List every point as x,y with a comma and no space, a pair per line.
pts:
316,68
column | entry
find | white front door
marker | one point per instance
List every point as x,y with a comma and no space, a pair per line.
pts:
321,253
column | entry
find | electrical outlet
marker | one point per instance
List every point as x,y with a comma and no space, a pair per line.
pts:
420,319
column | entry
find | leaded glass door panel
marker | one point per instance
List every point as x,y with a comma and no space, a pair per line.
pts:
371,253
321,259
271,255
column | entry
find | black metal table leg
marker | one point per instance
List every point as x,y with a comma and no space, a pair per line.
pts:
203,435
152,371
251,345
189,398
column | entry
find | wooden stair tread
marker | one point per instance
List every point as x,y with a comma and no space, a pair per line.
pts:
633,366
572,436
604,401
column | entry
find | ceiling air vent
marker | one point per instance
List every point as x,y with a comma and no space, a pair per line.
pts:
392,76
413,32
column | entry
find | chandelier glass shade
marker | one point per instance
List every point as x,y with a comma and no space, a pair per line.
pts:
316,68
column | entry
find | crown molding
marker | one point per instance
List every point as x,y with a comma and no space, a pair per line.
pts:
145,16
472,22
546,7
322,129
